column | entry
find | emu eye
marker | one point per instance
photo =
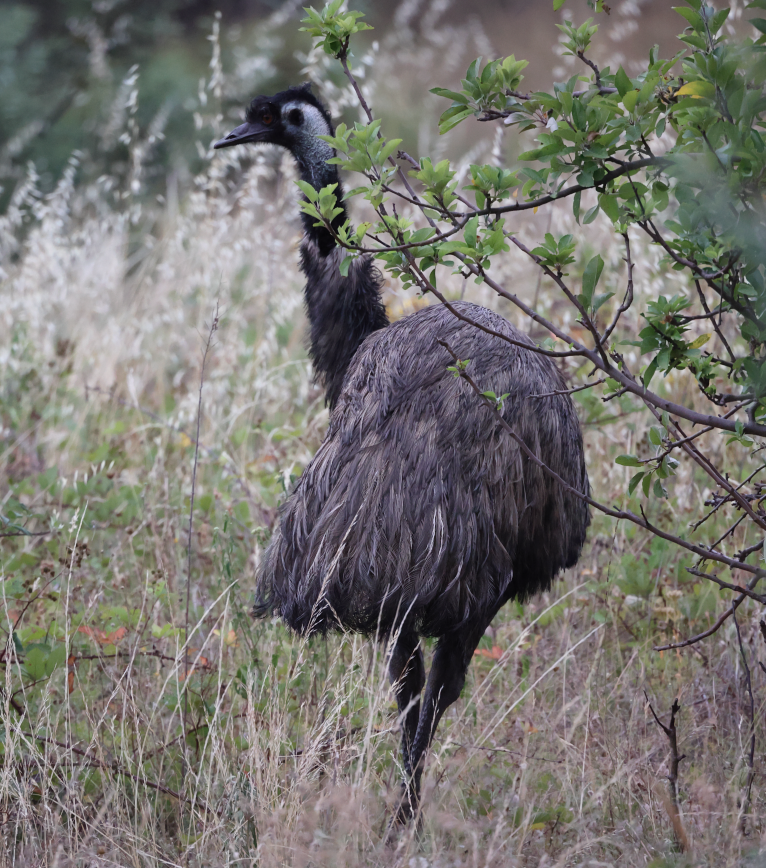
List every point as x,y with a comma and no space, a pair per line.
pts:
267,117
295,117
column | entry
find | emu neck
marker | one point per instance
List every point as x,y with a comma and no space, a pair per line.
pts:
342,310
319,176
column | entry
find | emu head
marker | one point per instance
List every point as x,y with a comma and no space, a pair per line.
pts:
292,119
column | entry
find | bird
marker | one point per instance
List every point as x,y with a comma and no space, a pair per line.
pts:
419,515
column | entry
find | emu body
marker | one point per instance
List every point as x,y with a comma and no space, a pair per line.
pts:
419,515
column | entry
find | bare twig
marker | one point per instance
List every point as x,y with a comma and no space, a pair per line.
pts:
675,761
595,356
751,753
716,325
622,376
31,533
628,299
692,640
588,62
759,598
569,391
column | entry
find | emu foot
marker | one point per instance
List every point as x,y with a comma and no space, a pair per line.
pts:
406,811
405,808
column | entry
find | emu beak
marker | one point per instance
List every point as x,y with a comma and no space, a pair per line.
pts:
246,132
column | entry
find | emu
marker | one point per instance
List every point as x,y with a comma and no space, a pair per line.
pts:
419,515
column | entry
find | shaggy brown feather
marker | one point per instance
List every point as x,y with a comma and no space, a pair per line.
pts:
419,503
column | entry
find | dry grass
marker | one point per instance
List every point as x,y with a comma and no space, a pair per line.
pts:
550,758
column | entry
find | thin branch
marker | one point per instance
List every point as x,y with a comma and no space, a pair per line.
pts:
709,276
628,299
751,753
693,451
426,286
350,76
594,356
569,391
759,598
588,62
692,640
30,533
727,533
633,166
498,114
530,205
716,325
745,553
675,761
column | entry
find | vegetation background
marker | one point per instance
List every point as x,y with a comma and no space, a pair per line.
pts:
126,247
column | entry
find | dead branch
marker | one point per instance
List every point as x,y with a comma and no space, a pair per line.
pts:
675,760
751,753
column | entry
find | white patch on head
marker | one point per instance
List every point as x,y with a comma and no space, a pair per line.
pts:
312,151
313,120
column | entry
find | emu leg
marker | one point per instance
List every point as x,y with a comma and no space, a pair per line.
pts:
445,682
408,675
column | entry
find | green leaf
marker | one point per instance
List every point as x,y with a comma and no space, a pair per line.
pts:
630,99
34,661
452,117
591,214
634,482
627,461
699,342
610,206
389,149
600,299
308,191
622,82
590,278
697,89
24,559
694,18
647,481
55,659
557,4
13,588
717,21
470,232
650,371
450,94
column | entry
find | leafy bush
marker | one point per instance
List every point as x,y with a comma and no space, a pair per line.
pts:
675,154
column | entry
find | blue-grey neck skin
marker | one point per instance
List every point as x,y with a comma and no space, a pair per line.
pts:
310,151
343,311
312,154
